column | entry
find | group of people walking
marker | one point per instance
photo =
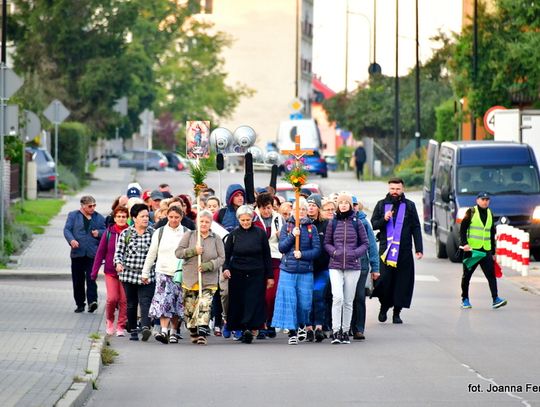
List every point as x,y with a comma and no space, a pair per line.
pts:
248,268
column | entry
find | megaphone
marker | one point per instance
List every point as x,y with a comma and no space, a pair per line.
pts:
257,154
220,139
245,136
272,157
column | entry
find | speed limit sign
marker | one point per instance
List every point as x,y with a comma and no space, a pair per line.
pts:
489,118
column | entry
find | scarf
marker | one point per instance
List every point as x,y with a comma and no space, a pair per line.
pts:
393,234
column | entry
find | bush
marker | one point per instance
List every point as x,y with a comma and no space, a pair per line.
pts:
16,236
411,170
73,145
67,181
343,156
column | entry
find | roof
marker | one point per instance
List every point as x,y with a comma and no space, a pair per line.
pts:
321,87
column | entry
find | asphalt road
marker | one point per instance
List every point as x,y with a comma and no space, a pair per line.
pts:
440,356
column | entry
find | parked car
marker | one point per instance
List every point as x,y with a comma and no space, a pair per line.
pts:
176,161
287,191
331,162
155,160
314,164
46,168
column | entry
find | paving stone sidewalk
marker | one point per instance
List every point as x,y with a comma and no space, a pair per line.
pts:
44,345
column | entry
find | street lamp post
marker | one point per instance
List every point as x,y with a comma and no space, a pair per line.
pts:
417,87
371,65
396,91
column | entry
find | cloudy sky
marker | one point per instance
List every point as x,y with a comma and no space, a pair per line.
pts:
329,36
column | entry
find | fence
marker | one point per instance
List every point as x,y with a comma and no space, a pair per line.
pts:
513,248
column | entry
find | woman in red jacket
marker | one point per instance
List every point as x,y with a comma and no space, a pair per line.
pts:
116,298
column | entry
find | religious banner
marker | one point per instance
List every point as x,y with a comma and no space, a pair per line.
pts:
197,139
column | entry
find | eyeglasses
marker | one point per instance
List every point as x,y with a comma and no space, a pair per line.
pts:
91,205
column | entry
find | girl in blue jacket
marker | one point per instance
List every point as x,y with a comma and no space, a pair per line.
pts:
295,287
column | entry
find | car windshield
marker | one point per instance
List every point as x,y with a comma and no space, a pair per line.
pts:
517,179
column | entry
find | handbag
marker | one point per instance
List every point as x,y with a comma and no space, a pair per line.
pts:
178,273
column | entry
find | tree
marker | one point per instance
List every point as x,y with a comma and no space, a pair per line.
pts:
91,52
509,62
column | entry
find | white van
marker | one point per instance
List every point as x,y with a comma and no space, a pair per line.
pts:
306,128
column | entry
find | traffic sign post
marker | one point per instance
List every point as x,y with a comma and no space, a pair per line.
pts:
147,119
489,118
9,84
56,113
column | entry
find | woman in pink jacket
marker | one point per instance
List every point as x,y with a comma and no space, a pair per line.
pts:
116,298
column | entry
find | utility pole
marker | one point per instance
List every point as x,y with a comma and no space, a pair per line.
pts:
346,46
474,67
396,90
3,124
417,87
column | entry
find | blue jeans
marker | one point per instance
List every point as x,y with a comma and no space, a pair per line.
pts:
318,308
358,323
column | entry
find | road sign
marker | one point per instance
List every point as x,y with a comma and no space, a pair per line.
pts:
11,125
296,105
56,112
121,106
13,82
32,126
489,118
296,116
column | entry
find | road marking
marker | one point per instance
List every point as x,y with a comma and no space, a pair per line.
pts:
426,278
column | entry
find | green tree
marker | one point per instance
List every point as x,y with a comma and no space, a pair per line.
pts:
88,53
508,58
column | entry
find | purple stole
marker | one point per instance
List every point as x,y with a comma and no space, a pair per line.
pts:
393,234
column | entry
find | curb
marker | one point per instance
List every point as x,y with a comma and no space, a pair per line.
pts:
80,390
8,274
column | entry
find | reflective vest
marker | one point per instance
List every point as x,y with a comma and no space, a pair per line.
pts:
479,235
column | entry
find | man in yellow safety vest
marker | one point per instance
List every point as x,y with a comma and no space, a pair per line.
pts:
478,233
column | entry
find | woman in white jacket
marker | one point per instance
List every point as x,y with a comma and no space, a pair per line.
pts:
167,302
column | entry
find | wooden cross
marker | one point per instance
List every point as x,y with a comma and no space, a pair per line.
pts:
297,153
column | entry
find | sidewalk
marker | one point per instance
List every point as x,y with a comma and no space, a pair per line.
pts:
45,346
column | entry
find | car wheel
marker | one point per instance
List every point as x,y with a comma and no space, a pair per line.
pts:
451,250
324,175
440,248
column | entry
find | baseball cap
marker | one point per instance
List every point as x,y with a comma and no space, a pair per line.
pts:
483,194
354,200
156,195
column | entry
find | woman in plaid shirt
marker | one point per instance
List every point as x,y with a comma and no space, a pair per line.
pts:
129,257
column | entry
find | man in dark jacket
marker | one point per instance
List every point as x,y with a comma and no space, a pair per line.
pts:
360,160
82,231
397,220
234,198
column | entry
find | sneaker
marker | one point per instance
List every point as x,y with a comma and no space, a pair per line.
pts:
146,333
237,335
261,334
382,315
110,328
217,331
161,337
173,338
225,332
359,336
466,304
271,332
201,340
120,333
302,334
293,340
499,302
92,307
78,310
319,335
336,338
134,336
247,336
310,335
345,338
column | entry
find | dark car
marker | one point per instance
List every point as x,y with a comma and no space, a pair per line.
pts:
176,161
314,164
46,168
155,160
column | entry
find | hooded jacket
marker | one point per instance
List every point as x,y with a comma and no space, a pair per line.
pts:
228,219
310,246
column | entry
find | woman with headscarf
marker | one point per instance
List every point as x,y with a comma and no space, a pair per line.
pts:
248,268
196,307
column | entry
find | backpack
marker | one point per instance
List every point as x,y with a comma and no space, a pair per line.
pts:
126,238
355,224
221,215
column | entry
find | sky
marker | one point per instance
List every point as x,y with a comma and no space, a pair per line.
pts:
329,36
